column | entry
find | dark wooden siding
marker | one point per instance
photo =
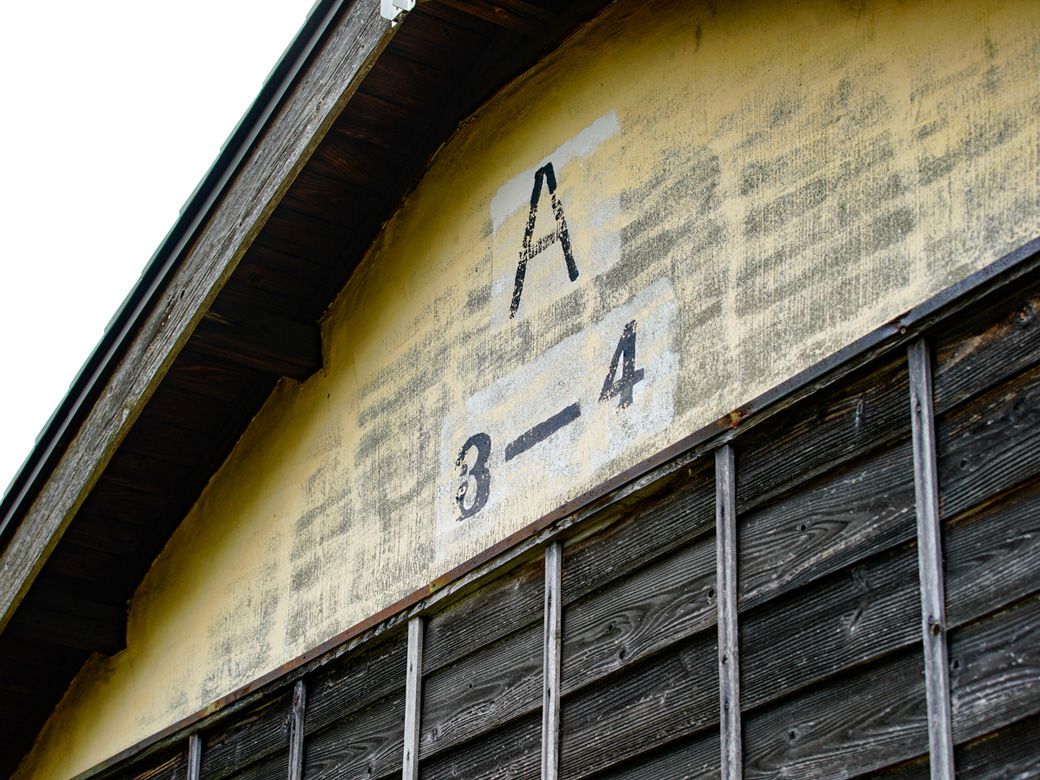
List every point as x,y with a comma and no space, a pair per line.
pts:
832,669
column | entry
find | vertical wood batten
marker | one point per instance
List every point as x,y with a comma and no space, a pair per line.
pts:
930,563
413,699
726,574
194,756
296,717
551,662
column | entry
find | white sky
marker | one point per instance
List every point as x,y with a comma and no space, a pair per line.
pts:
112,112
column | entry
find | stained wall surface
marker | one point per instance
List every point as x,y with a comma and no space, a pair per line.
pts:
705,199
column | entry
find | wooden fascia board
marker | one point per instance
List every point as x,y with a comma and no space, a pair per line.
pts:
351,46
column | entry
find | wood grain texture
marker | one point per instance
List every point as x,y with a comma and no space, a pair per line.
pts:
552,636
296,726
668,696
665,603
848,421
729,635
878,717
356,681
930,562
247,738
167,765
993,556
873,608
646,526
367,744
695,758
173,315
413,698
462,627
995,670
990,445
513,751
273,767
843,517
970,358
482,691
859,723
1010,752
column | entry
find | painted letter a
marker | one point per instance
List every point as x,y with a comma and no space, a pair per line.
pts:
547,176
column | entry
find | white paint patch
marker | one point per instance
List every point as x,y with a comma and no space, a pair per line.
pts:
592,222
561,465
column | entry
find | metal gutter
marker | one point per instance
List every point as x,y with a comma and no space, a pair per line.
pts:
90,380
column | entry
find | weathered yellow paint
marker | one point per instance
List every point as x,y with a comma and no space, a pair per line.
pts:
798,172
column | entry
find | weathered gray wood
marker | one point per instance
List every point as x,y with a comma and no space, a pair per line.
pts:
296,724
872,610
995,665
729,645
665,603
858,723
482,691
930,563
992,557
669,696
194,756
513,751
972,357
301,122
1011,752
878,717
249,736
990,445
696,758
645,527
366,743
844,422
832,523
357,680
413,699
551,662
462,628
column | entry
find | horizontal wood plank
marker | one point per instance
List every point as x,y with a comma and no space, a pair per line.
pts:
356,681
646,525
695,758
366,744
995,670
669,696
247,738
498,683
848,421
513,751
972,357
462,627
660,605
845,516
991,445
862,722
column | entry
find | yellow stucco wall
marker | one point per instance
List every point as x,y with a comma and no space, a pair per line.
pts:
755,184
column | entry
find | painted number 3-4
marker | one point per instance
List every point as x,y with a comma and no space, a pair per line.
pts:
474,487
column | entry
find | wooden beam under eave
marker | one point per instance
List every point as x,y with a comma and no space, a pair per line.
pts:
261,340
69,620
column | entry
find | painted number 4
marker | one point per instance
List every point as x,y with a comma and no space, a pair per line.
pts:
625,354
472,462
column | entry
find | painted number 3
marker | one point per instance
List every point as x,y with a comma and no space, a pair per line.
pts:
472,463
